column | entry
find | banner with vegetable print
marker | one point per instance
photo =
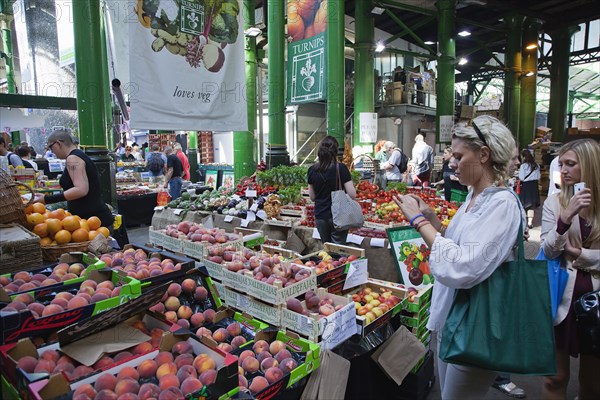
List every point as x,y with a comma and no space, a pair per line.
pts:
307,25
187,65
411,255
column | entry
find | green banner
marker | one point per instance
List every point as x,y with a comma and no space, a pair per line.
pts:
307,25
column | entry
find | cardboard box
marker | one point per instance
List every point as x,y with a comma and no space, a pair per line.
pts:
160,239
201,250
336,251
467,112
418,301
268,313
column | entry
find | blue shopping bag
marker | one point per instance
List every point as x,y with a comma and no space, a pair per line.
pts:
557,278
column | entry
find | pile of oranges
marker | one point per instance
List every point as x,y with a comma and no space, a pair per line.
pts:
60,227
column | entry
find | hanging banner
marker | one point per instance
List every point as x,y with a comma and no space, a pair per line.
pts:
368,127
187,65
306,25
64,32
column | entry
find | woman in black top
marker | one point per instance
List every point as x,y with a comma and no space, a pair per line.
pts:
322,180
128,156
80,181
449,179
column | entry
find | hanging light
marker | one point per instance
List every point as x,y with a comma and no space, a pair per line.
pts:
531,46
462,61
429,42
252,32
464,33
380,47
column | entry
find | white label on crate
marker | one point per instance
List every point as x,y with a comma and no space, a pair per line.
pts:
377,242
357,274
177,211
339,326
236,197
316,234
254,207
250,216
159,208
228,218
305,323
244,223
250,193
354,239
261,214
243,302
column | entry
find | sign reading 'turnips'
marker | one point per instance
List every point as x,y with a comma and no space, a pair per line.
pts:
307,23
187,65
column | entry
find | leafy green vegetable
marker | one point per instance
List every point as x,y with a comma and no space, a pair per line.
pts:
224,24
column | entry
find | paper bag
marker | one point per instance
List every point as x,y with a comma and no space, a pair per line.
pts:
399,354
294,243
329,381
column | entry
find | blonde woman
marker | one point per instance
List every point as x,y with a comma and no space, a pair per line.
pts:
571,231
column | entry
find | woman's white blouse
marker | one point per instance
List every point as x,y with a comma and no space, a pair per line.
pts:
524,170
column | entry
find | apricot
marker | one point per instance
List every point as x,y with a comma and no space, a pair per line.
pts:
167,381
122,356
51,355
282,355
52,309
166,369
185,372
237,341
183,359
203,362
273,374
197,320
77,301
188,286
174,289
126,385
258,384
27,363
85,389
276,346
24,298
200,294
245,354
234,329
260,345
208,377
209,315
182,348
171,393
105,381
128,373
81,371
142,348
220,335
190,385
147,368
184,312
149,391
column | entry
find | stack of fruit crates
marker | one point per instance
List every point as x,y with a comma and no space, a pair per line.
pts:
415,315
206,147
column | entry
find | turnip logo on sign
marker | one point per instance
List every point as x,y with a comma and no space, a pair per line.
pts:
307,70
192,18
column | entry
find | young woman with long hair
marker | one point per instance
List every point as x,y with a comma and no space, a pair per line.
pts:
529,194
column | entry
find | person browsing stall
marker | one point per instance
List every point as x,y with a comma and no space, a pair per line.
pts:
529,175
392,172
128,155
13,159
184,161
174,172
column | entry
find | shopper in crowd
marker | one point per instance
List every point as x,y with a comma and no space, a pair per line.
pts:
554,186
449,179
174,172
144,150
128,155
381,156
25,153
32,153
322,180
156,162
80,181
571,232
482,155
392,172
529,176
422,156
13,159
135,150
184,161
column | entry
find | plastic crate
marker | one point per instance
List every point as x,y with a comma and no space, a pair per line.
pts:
458,196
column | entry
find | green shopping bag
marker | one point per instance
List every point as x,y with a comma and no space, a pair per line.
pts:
504,323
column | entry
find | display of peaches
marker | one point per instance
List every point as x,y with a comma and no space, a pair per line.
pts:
135,263
324,262
198,233
23,281
320,307
372,304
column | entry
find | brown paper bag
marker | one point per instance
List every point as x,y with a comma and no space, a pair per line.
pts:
294,243
399,354
329,381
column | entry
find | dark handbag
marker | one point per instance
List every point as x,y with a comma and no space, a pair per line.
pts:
505,322
587,313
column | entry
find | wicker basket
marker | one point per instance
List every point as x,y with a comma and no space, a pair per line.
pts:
12,208
19,249
53,253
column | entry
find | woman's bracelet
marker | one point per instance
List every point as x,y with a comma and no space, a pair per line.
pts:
422,224
414,218
418,224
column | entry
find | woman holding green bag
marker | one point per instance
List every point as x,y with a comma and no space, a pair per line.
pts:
481,236
571,231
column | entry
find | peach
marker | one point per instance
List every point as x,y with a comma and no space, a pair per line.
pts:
76,268
167,381
64,359
209,315
52,309
184,359
61,302
36,308
185,372
27,364
23,276
106,394
87,290
98,297
25,298
128,373
77,301
184,323
260,345
147,368
85,389
142,348
234,329
106,284
88,283
158,307
171,393
288,365
115,292
258,384
171,316
81,371
202,331
190,385
164,357
128,396
103,363
276,346
66,368
263,355
200,294
273,374
45,366
188,286
184,312
250,365
156,333
86,296
208,377
182,348
237,341
68,276
4,280
122,356
245,354
64,295
226,347
105,381
197,320
220,335
149,391
172,303
282,355
104,291
268,363
166,369
126,385
203,362
174,289
51,355
242,382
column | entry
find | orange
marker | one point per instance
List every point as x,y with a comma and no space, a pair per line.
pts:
80,235
46,215
71,223
54,225
29,209
104,230
45,241
92,234
41,230
67,214
58,214
35,218
62,237
94,223
38,208
84,225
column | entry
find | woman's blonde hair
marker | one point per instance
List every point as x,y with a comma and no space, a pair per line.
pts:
588,154
496,136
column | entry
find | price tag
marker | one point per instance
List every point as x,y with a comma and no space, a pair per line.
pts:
236,197
244,223
250,216
228,218
377,242
354,239
159,208
304,323
315,234
177,211
357,274
250,193
261,214
254,207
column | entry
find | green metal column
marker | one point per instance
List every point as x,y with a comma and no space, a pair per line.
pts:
526,132
5,21
107,96
15,138
559,80
336,76
277,153
193,155
512,77
244,146
90,61
364,67
446,61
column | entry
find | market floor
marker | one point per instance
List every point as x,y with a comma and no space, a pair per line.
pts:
531,385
